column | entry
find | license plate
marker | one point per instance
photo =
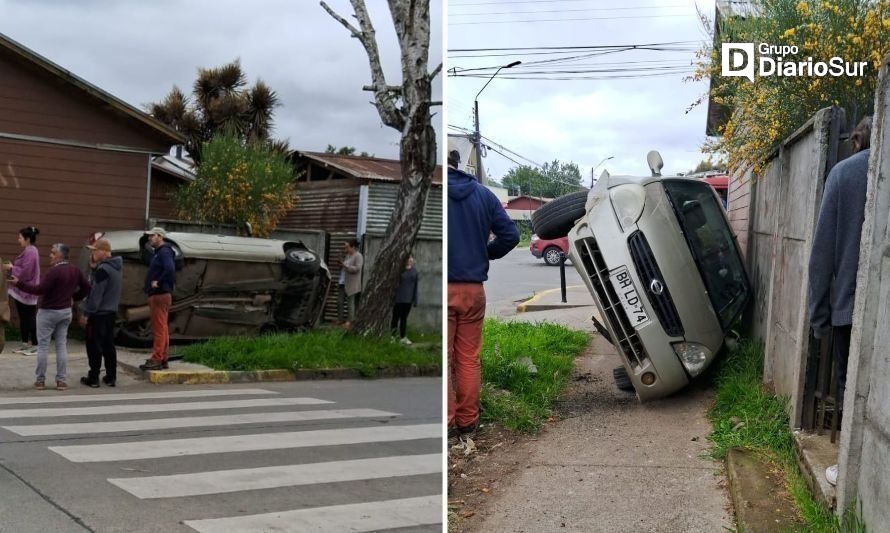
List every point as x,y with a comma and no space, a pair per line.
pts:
629,298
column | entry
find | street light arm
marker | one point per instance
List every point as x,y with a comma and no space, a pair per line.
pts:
509,65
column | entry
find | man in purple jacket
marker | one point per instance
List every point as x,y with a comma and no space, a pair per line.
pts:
62,284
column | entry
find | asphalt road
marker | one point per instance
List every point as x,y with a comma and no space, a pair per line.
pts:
518,276
336,455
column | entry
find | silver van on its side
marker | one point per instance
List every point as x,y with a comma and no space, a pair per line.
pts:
662,264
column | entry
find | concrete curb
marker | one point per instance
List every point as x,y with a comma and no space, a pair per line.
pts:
204,377
532,303
756,495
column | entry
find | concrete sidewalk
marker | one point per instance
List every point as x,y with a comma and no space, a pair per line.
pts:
611,463
17,371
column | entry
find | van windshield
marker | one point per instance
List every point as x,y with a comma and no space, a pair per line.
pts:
712,245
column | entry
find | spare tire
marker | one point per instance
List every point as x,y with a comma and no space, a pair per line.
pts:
301,261
555,218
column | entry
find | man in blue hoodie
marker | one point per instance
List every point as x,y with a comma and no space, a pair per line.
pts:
159,283
474,215
100,312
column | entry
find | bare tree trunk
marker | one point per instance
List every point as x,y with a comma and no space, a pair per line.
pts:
405,108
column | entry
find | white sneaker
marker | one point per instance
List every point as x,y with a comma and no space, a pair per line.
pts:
22,348
406,341
30,351
831,475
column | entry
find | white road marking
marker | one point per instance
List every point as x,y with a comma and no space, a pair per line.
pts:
223,481
99,397
87,428
156,407
370,516
90,453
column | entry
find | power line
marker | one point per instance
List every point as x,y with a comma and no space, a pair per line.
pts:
562,10
582,47
452,4
564,20
580,78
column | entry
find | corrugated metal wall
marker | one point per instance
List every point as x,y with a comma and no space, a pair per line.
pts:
382,201
331,206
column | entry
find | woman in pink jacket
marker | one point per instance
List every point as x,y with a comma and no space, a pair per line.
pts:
26,267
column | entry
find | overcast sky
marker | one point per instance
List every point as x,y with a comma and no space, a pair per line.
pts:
137,50
581,121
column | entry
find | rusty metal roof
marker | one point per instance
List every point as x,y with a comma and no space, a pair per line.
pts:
371,168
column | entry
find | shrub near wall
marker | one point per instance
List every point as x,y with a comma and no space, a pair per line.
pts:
238,184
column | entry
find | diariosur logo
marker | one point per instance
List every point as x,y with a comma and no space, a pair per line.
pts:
773,60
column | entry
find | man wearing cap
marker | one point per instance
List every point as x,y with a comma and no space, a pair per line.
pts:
99,313
159,287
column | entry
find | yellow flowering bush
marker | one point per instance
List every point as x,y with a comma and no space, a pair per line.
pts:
239,183
770,109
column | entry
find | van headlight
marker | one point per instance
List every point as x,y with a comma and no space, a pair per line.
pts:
628,201
694,356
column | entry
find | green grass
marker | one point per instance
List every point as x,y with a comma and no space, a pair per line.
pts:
511,395
745,416
316,349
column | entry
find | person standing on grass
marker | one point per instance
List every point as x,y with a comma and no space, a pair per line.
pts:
474,214
159,282
26,267
100,312
834,260
352,264
60,286
406,298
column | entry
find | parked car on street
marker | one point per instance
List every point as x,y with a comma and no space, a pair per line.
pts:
224,286
550,250
662,264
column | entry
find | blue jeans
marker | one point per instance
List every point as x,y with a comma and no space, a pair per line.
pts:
52,323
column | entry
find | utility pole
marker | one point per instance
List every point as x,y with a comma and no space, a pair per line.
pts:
477,137
596,167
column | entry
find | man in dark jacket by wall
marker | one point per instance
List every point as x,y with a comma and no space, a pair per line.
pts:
100,312
834,260
159,282
474,214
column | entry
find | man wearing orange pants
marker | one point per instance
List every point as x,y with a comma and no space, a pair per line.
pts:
474,213
159,283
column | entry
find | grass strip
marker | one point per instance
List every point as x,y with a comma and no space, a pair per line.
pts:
316,349
513,395
745,416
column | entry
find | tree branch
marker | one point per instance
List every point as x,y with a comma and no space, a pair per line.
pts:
384,96
435,72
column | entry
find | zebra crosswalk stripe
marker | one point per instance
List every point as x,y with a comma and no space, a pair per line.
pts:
155,407
89,428
101,397
156,449
369,516
223,481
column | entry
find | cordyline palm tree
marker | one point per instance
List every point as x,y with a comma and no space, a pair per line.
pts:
220,101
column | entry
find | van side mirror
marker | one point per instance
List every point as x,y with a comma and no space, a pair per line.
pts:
656,163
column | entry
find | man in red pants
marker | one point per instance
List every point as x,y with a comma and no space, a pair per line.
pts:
474,213
159,282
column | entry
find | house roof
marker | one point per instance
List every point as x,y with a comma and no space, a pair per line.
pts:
371,168
180,168
541,199
117,105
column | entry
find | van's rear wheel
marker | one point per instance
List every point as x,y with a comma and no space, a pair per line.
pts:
555,218
622,380
301,261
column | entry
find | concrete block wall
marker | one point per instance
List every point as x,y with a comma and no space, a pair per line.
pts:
781,205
